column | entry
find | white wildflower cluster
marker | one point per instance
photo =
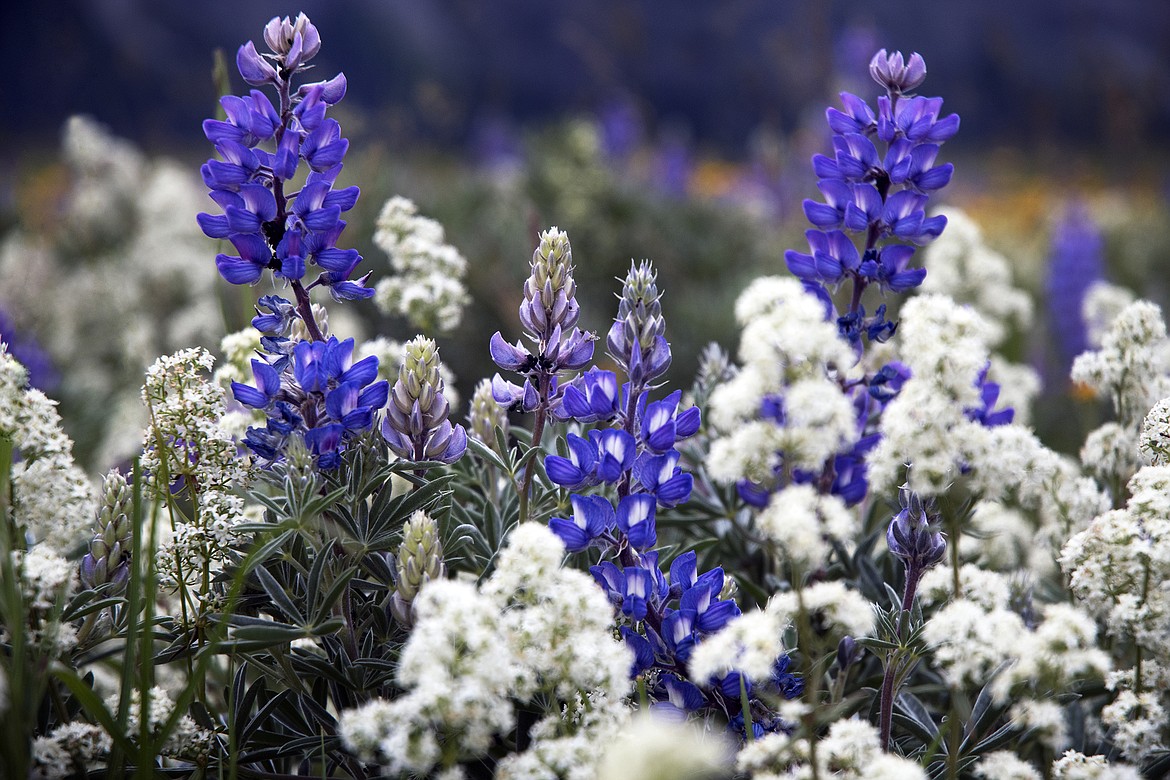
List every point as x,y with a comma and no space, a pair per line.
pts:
969,641
790,356
67,749
1110,453
186,739
959,264
1004,765
52,498
428,289
802,523
989,589
1101,305
1119,567
1131,365
534,631
130,278
1060,651
185,439
926,426
749,643
850,751
46,580
657,748
1137,723
1154,443
839,611
1077,766
999,537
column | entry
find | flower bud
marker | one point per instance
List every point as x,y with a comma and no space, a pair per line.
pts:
419,560
108,559
416,425
550,293
486,415
636,339
911,535
894,73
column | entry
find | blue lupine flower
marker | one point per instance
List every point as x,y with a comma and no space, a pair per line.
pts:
635,516
616,451
592,397
679,633
611,579
683,573
660,475
639,587
662,426
592,516
988,397
711,614
269,228
682,697
579,469
644,657
318,393
280,317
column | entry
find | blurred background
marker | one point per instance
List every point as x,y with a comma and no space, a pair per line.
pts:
680,132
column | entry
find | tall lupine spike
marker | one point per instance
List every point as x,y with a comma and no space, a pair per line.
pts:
108,559
636,340
550,293
419,560
416,426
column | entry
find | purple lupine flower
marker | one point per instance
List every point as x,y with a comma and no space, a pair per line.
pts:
41,373
579,469
660,475
269,228
635,517
592,516
663,425
316,392
985,413
591,397
1076,261
880,194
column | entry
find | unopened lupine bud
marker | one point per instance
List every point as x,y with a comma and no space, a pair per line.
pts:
912,535
550,294
295,41
897,74
419,560
486,414
302,470
636,339
108,559
416,425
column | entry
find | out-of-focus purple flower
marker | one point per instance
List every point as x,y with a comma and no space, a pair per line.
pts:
986,413
41,373
1076,261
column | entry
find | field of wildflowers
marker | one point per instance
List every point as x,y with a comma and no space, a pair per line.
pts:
840,551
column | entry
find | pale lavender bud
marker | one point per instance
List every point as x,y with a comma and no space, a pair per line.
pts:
256,70
894,73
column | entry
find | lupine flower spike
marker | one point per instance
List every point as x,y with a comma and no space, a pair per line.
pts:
416,425
260,149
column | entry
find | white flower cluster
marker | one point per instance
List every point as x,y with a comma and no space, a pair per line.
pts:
1132,363
185,439
1004,765
652,747
1119,567
62,751
130,277
850,751
533,631
1101,305
945,346
52,498
801,522
1154,443
1077,766
959,264
969,641
428,290
750,644
791,354
186,738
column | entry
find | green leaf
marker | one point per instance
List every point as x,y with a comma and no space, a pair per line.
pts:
487,454
914,709
279,596
322,608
